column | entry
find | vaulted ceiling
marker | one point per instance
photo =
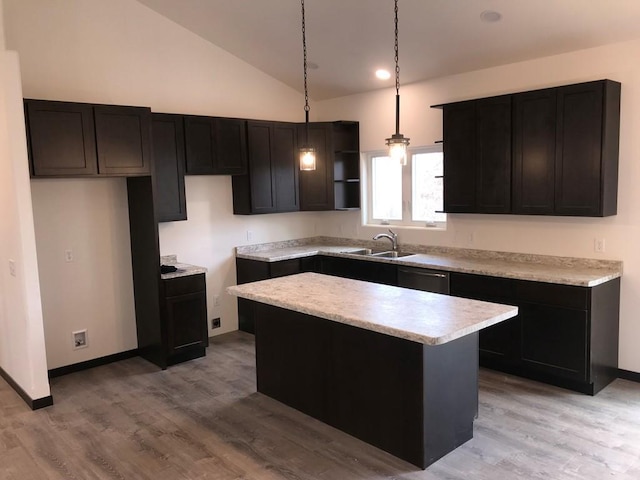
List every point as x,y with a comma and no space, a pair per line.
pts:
349,39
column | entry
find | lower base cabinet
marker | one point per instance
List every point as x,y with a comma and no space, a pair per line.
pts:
255,270
185,317
563,335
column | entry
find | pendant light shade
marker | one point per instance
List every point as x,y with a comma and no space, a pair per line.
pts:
307,152
397,142
307,158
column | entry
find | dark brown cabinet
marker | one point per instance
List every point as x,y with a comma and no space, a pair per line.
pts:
215,146
335,183
564,335
586,166
76,139
376,272
184,316
254,270
564,159
534,150
271,183
477,150
316,186
168,155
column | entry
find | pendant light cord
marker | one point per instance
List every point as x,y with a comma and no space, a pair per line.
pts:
306,93
397,72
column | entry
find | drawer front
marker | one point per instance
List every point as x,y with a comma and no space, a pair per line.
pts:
482,288
284,268
184,285
566,296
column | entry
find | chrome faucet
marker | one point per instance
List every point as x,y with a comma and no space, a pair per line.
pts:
393,237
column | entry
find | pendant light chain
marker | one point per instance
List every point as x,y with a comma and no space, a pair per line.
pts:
397,142
307,152
304,56
396,52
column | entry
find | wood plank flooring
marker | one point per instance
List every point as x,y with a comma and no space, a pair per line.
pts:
204,420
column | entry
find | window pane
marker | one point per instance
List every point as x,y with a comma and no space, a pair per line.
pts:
386,189
427,188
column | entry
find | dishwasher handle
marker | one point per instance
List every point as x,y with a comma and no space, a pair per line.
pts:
424,274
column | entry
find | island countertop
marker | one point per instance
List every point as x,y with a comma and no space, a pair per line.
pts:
418,316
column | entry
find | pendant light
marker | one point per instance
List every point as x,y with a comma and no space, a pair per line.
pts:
397,143
307,152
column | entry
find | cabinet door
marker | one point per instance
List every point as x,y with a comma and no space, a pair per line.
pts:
261,181
534,152
500,343
579,150
61,138
316,186
285,166
200,143
555,340
186,322
493,156
123,139
231,152
459,127
168,155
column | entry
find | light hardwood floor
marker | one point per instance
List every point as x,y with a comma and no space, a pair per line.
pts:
204,420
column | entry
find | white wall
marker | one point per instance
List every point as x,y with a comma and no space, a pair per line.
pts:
121,52
543,235
22,346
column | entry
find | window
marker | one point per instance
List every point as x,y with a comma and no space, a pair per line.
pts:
410,195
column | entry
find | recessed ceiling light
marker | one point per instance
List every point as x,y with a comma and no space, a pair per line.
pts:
490,16
383,74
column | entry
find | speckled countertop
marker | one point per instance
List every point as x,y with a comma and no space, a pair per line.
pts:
183,269
414,315
540,268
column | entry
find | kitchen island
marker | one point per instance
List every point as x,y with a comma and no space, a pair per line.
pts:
394,367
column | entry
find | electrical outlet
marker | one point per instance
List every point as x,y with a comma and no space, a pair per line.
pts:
249,235
216,322
598,245
12,268
216,300
80,339
68,255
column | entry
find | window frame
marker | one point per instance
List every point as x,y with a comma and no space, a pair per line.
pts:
407,191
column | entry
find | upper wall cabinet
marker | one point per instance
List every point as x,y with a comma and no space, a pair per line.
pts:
271,183
215,146
563,161
477,150
316,186
168,163
335,183
78,139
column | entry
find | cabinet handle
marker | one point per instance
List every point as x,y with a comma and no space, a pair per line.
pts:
426,274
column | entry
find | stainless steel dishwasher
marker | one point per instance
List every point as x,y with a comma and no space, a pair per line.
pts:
424,279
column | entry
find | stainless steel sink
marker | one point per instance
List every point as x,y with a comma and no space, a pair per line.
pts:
386,254
364,251
392,254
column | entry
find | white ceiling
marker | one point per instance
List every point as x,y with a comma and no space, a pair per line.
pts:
350,39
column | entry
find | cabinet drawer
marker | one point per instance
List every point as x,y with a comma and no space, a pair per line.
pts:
284,268
567,296
481,288
184,285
